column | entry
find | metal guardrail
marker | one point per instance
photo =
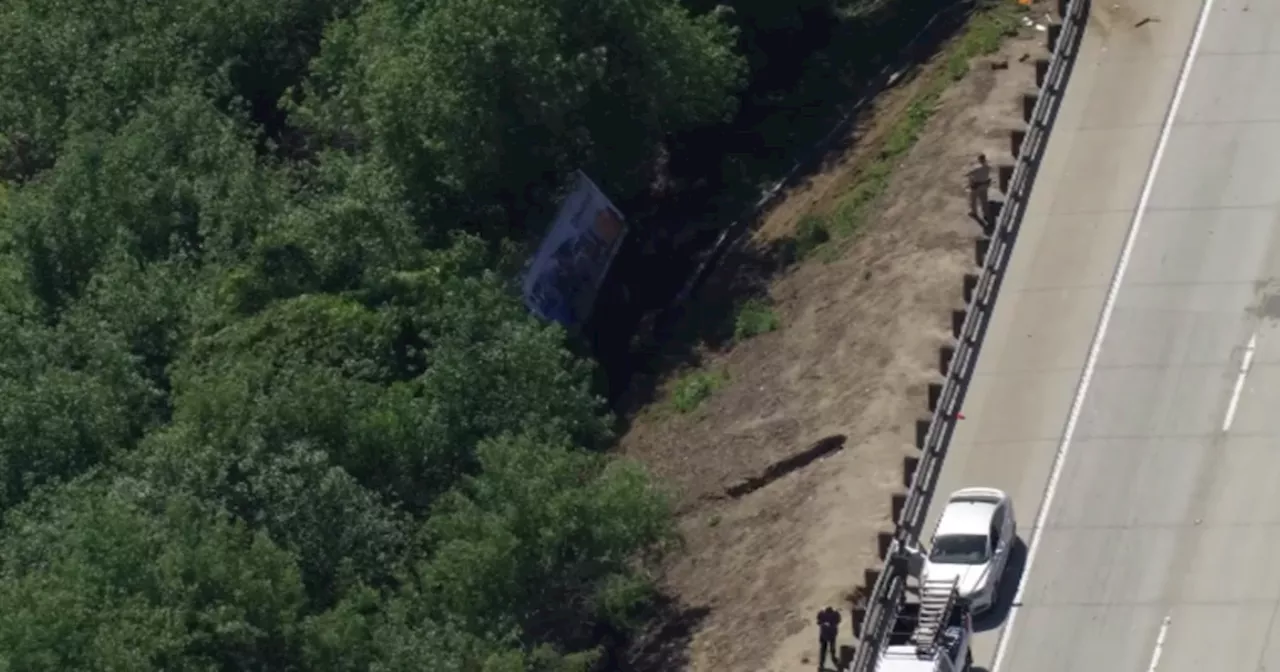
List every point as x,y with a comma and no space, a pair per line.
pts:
890,587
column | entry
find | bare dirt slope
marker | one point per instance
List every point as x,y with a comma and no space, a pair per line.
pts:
857,347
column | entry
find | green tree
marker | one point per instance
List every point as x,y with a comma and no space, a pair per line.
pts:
273,410
109,576
179,182
108,255
343,535
397,386
348,223
542,540
477,103
74,65
69,400
391,632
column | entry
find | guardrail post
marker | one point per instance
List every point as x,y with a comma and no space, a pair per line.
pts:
1016,138
1029,101
970,283
922,433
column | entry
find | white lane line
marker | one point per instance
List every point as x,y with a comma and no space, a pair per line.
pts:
1155,654
1244,371
1108,306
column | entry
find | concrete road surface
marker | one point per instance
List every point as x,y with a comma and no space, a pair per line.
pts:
1160,541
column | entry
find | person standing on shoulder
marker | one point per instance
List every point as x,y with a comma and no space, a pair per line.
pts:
979,177
828,627
916,560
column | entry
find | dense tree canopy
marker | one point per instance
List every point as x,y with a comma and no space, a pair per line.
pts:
479,104
268,400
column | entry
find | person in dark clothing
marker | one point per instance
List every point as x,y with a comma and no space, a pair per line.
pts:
828,627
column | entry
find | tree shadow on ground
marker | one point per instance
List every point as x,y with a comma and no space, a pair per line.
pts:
680,278
679,336
806,80
663,646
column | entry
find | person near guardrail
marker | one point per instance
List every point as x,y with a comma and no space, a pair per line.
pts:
916,558
979,178
828,628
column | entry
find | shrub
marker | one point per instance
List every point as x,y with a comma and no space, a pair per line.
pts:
755,317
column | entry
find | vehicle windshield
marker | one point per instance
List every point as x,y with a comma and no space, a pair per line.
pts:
959,549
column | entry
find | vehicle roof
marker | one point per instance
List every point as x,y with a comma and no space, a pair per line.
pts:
903,661
966,517
901,665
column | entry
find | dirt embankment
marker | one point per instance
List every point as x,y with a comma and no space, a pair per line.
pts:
857,347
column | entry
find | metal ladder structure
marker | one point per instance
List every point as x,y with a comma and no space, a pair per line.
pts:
937,598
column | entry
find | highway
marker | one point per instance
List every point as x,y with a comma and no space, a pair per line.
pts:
1128,390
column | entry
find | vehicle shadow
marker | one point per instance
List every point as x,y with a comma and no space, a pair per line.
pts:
1008,589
